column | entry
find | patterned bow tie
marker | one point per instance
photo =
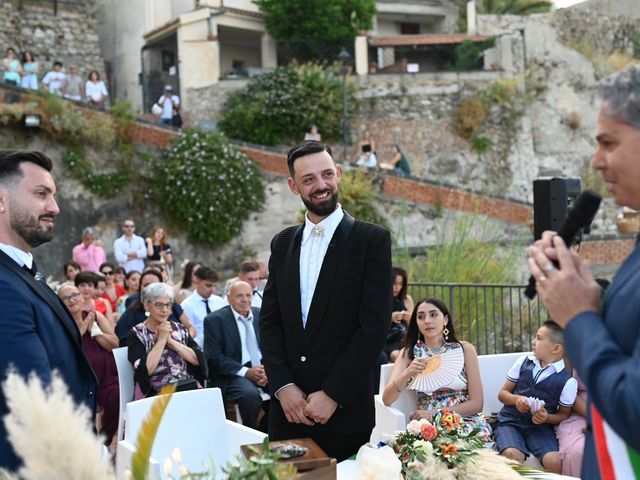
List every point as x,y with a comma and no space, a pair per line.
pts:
318,231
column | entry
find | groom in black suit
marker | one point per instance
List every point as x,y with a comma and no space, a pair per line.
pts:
325,313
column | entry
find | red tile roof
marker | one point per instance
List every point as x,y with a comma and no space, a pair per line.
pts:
400,40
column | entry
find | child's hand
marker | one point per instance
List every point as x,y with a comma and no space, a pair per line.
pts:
540,417
522,405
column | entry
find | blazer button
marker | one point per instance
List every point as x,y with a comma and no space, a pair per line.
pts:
303,359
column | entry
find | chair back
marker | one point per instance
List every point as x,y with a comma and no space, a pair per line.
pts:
493,372
194,421
406,401
125,382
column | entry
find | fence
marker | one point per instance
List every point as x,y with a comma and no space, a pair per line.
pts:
494,318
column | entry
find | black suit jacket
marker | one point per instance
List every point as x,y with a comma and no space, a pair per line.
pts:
346,325
222,342
38,334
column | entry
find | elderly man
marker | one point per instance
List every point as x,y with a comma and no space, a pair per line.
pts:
602,334
232,348
325,313
130,249
37,333
89,254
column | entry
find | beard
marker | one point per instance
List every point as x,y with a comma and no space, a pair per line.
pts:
327,207
28,227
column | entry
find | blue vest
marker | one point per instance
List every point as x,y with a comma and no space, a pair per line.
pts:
548,390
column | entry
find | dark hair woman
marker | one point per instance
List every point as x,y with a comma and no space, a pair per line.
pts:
400,313
430,345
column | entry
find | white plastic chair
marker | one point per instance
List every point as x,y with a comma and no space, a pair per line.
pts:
195,422
125,383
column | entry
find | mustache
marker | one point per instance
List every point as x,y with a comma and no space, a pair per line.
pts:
46,217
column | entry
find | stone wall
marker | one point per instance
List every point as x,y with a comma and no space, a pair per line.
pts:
207,104
69,37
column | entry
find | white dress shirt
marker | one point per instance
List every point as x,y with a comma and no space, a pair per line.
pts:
21,257
122,246
256,300
312,251
196,310
246,357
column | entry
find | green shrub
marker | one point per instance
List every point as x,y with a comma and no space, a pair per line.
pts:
279,106
480,144
468,54
469,117
103,184
358,196
207,187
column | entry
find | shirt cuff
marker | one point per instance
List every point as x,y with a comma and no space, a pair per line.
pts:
282,388
242,372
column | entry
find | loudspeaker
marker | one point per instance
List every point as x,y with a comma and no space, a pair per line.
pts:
552,200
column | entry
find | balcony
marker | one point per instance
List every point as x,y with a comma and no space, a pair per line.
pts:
240,5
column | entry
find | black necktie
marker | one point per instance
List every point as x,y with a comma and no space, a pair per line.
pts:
206,304
33,270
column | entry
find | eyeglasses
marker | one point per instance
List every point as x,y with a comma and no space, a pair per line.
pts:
70,297
110,272
128,225
160,306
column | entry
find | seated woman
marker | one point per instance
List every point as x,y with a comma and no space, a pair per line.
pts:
87,283
161,351
131,286
185,287
112,291
431,333
367,151
98,340
135,312
400,314
399,163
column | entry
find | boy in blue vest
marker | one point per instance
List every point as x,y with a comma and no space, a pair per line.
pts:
541,375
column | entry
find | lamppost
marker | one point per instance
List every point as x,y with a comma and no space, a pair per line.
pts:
345,59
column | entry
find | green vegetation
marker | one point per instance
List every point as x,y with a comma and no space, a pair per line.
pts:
207,187
469,117
468,54
480,144
503,7
314,29
358,196
279,106
467,252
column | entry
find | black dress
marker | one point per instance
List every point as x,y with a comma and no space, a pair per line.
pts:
397,331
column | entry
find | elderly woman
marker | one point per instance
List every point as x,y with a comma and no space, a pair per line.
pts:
161,351
98,340
431,333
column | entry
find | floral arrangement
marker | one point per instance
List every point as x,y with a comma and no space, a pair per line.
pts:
447,437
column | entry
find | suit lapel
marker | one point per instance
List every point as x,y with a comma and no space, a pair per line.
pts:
46,294
327,273
292,282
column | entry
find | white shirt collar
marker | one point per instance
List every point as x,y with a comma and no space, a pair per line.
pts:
239,317
19,256
329,224
558,366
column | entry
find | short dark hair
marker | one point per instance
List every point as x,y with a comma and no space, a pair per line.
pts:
57,64
302,149
105,264
10,161
86,277
556,333
207,274
248,266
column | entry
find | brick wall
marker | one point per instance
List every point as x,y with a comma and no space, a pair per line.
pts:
606,252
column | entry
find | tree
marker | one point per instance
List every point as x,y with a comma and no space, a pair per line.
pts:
514,7
317,29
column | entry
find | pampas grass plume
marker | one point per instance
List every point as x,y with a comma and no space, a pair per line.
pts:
52,435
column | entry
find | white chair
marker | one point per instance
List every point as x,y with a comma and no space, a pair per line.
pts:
195,422
125,383
394,418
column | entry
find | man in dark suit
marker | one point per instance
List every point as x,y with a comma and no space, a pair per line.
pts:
232,348
37,333
602,333
325,313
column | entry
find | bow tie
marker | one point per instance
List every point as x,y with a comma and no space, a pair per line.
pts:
318,231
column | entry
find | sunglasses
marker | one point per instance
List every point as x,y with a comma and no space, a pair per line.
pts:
110,272
129,226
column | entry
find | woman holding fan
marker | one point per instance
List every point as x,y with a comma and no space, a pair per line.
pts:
443,371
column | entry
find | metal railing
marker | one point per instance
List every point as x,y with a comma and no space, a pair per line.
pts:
245,5
494,318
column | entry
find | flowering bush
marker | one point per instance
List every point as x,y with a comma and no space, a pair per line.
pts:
446,437
207,187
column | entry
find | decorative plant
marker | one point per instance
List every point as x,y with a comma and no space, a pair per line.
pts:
261,465
207,187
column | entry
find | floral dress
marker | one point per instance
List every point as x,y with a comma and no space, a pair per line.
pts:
454,393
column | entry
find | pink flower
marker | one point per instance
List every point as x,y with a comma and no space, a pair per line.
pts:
428,431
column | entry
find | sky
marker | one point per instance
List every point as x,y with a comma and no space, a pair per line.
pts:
566,3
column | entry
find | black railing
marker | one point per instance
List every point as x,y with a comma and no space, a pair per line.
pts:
494,318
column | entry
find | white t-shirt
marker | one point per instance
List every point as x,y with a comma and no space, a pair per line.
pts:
54,80
167,106
95,91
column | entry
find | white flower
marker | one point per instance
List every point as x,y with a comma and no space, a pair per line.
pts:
423,446
414,427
